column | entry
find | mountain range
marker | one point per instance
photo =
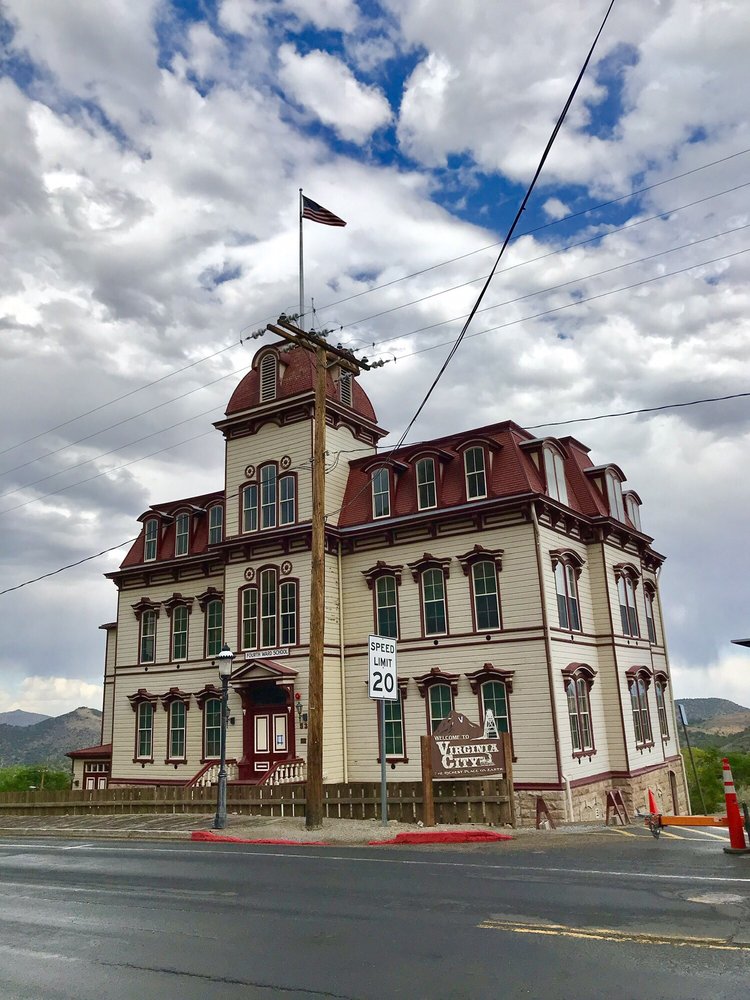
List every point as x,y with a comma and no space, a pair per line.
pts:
48,741
21,718
716,722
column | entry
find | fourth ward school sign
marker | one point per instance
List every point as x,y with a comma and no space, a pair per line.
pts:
460,749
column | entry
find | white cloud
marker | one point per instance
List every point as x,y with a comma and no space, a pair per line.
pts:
728,677
324,85
553,208
52,695
340,14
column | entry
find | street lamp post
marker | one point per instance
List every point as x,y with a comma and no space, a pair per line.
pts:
225,658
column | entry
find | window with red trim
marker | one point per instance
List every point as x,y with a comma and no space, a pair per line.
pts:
476,480
641,715
151,538
148,637
628,610
648,596
660,689
426,485
566,588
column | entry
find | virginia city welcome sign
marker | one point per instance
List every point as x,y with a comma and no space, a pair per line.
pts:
462,749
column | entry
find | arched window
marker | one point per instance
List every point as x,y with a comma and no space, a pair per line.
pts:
626,583
426,489
250,508
148,637
288,613
268,496
494,697
214,627
660,690
554,471
268,373
386,606
151,538
177,730
211,727
180,617
287,500
567,566
381,495
638,683
250,618
614,496
486,595
181,534
476,480
648,597
268,608
634,510
215,524
578,679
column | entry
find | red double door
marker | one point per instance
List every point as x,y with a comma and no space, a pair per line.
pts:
267,728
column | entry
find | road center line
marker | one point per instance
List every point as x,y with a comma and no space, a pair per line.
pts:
609,934
483,865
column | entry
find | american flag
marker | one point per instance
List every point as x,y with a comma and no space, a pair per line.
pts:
316,213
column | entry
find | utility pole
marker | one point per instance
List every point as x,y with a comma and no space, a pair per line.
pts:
326,355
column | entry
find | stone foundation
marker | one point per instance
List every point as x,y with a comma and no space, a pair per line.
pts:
590,801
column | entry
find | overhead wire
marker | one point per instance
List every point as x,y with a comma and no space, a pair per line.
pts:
367,291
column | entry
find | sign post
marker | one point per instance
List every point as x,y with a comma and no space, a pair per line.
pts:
382,686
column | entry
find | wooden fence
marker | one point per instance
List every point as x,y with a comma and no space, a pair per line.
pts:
455,801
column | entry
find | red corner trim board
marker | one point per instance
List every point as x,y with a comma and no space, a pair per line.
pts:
425,837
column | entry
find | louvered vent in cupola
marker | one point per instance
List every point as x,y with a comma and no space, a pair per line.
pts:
268,367
345,388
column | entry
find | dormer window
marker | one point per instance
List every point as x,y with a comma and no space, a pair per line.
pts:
426,491
215,524
345,388
268,374
554,471
614,496
476,481
381,496
633,508
152,535
182,534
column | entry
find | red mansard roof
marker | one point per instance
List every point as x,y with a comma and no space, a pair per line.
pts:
104,750
296,376
165,541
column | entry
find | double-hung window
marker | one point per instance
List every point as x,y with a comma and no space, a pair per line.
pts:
268,496
152,535
476,481
179,632
579,714
215,524
250,618
182,534
288,613
486,598
433,602
426,489
641,715
287,500
214,627
495,699
440,703
660,688
212,728
381,497
269,612
566,588
628,611
554,471
177,727
144,739
394,729
148,637
268,608
614,496
648,596
386,606
250,508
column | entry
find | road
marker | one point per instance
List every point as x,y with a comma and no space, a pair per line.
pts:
606,915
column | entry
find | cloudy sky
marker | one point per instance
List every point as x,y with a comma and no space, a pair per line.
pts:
149,168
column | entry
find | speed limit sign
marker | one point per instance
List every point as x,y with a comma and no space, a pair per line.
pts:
382,674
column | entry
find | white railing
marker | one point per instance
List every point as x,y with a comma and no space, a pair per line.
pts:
210,775
286,772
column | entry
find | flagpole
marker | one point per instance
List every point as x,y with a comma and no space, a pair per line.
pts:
301,321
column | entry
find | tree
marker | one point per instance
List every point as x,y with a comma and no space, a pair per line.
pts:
23,777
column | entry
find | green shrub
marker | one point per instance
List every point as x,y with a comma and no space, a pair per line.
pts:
22,777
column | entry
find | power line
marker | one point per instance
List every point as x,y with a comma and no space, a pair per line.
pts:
406,277
531,427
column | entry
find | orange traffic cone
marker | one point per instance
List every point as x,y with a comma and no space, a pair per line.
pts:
734,819
652,806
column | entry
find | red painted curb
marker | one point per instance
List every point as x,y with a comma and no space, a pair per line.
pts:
219,838
447,837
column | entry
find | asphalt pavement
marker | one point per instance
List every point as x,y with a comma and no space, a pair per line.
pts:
615,914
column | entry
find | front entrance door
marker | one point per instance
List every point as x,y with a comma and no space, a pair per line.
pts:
268,730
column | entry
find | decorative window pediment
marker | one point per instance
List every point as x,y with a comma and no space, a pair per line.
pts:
174,601
145,604
174,694
142,695
436,676
627,570
208,595
489,672
480,554
640,672
381,568
209,691
569,557
429,562
576,671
